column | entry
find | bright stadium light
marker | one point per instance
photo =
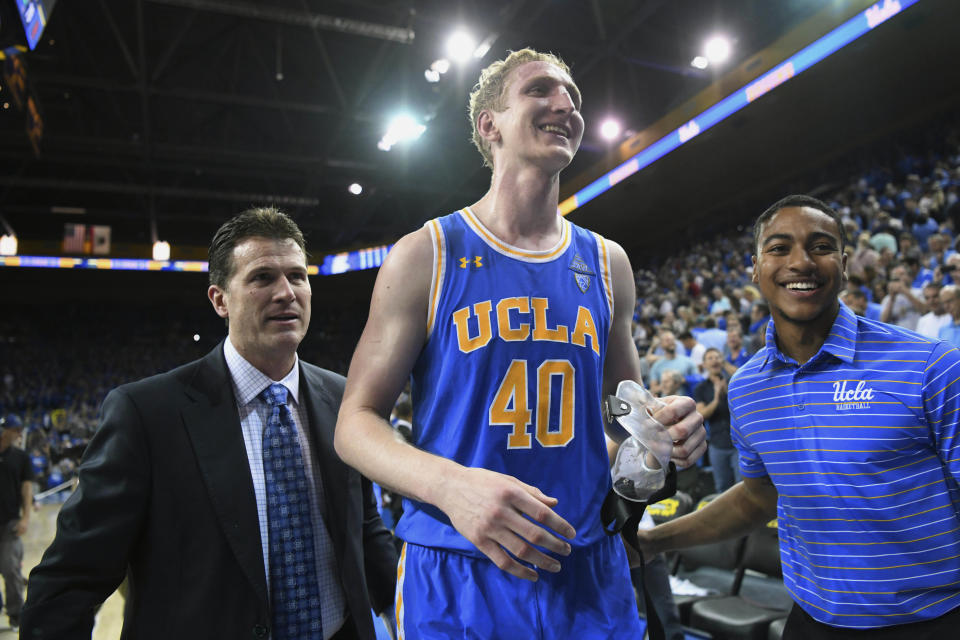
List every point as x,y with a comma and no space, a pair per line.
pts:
441,66
699,62
8,245
610,129
717,49
484,46
161,251
196,337
355,188
401,128
460,46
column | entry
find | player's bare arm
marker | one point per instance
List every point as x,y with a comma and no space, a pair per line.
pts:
623,363
737,511
486,507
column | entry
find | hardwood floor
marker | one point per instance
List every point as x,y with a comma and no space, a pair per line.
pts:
40,534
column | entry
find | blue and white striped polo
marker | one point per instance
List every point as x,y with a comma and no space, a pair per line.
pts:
860,444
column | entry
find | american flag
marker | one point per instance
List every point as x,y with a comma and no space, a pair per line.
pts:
73,237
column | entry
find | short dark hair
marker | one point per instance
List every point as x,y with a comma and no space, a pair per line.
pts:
709,349
684,335
797,200
262,222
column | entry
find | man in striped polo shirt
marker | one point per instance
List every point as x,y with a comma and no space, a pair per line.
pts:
847,432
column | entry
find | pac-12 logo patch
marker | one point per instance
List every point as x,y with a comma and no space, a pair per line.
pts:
582,274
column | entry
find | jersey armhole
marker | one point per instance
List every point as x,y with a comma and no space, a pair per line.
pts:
439,270
606,279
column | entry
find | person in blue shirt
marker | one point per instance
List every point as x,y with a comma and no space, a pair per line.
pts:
847,433
671,360
735,355
950,298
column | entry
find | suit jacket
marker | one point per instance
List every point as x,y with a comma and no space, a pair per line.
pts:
166,498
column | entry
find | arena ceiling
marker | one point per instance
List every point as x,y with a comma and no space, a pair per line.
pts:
179,113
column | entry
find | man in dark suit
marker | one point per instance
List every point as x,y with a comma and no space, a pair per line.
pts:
178,491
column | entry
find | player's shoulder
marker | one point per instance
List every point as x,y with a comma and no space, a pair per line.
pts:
405,277
415,246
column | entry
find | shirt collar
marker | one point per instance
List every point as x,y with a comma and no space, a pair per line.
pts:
249,382
841,341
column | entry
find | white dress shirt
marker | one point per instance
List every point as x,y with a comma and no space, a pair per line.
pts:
248,383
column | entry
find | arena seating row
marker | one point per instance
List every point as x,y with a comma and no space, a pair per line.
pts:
746,598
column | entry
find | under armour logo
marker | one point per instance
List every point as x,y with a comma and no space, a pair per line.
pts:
477,262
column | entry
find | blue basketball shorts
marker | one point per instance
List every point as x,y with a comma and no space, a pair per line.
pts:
444,594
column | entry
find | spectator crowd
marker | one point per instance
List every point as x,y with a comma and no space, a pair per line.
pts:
698,317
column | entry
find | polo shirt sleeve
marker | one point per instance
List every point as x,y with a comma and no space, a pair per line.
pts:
941,404
751,465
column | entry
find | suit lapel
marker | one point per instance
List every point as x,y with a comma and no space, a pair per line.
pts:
321,412
214,429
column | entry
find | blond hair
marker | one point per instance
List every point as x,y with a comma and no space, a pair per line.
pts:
489,90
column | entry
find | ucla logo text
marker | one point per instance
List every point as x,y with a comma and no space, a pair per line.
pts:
510,325
857,398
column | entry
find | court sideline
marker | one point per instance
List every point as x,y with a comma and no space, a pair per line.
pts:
43,525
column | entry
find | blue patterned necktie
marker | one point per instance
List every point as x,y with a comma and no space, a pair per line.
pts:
294,589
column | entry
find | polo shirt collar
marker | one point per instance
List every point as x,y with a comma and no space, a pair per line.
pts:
841,342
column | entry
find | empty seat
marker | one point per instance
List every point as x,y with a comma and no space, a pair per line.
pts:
757,598
711,566
776,629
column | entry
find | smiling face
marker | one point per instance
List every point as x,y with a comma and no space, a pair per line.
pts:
267,302
540,122
800,266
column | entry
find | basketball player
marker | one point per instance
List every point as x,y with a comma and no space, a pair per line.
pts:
514,323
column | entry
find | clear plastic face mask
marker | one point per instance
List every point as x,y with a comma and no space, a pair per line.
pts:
643,459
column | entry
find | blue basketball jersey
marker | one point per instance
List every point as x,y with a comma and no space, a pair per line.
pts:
510,376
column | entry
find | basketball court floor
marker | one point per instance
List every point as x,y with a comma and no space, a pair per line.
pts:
43,525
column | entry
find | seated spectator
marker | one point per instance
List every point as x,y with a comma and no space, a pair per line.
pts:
918,274
856,299
671,361
671,383
735,355
949,272
865,260
883,234
759,317
711,336
938,249
950,298
923,227
902,305
721,303
693,348
932,321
